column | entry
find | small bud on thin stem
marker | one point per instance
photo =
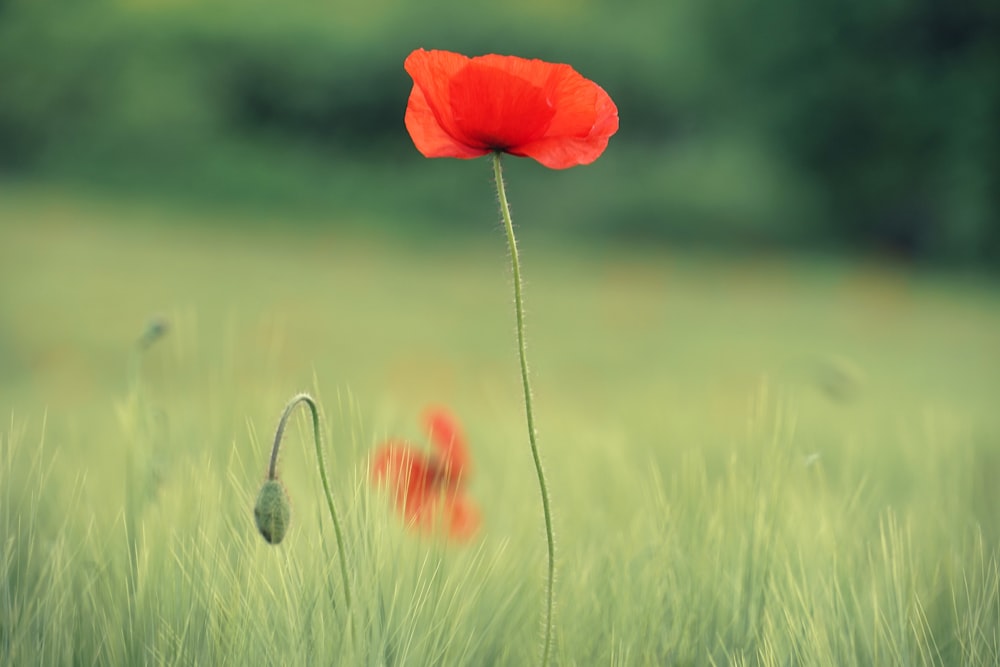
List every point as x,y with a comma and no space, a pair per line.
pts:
272,503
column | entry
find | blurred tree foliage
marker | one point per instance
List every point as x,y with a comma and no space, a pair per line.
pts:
892,108
869,125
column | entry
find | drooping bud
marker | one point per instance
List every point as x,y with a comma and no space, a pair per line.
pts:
272,511
156,328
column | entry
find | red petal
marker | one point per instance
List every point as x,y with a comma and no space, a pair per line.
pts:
429,136
429,118
586,118
447,437
499,107
463,518
409,472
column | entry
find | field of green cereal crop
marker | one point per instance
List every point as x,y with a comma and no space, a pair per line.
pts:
752,460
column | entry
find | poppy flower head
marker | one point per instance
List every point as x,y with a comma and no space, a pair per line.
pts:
428,488
468,107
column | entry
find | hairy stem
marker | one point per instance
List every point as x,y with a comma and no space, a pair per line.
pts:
317,438
529,412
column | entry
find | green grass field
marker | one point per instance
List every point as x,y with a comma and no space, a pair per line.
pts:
752,461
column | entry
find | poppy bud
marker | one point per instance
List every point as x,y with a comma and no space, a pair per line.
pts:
272,511
156,329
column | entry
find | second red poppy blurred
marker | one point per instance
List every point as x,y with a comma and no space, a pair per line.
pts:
429,488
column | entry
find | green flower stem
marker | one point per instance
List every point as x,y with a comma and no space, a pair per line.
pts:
272,474
529,413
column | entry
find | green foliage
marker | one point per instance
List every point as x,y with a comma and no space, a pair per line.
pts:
889,107
868,126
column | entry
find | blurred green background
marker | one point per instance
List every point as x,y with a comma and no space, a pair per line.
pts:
832,125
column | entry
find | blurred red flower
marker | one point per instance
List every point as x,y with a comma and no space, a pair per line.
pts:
468,107
430,488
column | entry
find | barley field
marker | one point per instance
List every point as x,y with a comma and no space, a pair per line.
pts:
753,459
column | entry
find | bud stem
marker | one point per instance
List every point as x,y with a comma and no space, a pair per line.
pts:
317,438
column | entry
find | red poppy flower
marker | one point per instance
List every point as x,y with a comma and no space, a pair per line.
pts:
468,107
430,488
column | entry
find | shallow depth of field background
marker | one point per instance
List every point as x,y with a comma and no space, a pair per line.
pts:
764,330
